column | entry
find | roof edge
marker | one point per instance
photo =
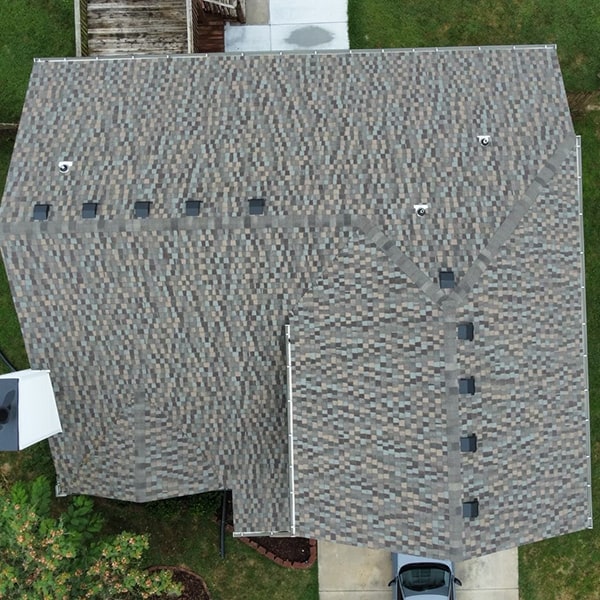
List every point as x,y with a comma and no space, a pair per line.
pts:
424,50
586,390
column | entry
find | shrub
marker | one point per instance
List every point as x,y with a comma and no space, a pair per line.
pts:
46,557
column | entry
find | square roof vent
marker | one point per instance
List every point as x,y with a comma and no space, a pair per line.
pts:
468,443
465,331
89,210
256,206
446,279
470,509
141,210
192,208
466,385
41,212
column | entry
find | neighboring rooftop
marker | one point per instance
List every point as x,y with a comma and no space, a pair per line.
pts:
165,334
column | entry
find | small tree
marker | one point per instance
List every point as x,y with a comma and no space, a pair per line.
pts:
47,558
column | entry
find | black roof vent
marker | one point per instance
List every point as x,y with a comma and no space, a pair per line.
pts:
192,208
142,210
41,212
471,509
89,210
468,443
466,385
465,331
256,206
446,279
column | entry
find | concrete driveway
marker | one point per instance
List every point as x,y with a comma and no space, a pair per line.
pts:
363,574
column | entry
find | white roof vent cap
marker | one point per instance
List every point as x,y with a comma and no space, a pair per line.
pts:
421,209
64,166
484,140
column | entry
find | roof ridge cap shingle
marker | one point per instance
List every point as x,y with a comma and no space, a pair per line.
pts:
514,217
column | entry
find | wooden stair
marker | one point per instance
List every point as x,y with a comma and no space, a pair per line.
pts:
210,34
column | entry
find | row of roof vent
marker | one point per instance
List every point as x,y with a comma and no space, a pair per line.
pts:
141,209
466,385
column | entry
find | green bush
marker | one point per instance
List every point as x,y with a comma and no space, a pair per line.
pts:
63,558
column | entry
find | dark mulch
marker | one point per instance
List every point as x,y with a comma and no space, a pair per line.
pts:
294,549
194,587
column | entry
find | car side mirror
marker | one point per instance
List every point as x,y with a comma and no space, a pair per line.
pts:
457,581
392,581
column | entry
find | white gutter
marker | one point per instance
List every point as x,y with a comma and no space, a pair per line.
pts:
290,411
237,534
586,392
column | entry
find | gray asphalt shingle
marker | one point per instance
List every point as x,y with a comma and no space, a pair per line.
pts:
164,334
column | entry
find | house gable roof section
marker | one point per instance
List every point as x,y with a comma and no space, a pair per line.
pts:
164,334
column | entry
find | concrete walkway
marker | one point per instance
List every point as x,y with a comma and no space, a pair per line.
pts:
290,25
363,574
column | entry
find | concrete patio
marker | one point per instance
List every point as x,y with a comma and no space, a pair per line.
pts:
290,25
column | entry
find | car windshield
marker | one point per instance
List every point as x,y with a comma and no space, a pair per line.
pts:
425,579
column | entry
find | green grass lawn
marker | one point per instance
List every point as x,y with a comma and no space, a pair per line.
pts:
30,29
11,342
574,25
568,567
183,532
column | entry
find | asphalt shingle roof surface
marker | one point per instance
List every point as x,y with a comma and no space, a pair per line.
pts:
164,335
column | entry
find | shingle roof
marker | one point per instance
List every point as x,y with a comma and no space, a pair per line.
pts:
164,334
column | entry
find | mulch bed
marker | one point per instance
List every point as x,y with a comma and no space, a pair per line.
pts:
295,552
194,587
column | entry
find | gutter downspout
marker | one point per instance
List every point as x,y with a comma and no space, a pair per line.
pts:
290,412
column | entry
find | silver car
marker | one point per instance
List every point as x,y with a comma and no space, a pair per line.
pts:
423,578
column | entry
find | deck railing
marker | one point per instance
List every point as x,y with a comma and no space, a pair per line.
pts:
81,28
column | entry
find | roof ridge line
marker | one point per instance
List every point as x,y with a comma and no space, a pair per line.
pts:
374,234
518,210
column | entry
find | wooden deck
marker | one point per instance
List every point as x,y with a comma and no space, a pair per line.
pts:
136,27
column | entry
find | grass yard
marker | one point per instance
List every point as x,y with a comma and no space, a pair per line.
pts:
11,342
183,532
568,567
30,29
574,25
